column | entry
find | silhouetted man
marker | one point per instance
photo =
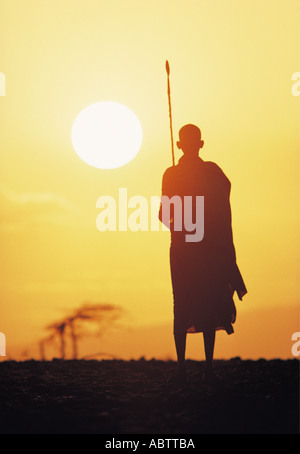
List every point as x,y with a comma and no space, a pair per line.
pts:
203,269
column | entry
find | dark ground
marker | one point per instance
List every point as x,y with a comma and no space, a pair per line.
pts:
132,397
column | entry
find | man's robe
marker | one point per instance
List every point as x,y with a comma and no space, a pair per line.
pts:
204,274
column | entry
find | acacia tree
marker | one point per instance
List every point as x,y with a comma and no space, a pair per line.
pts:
59,329
100,315
43,343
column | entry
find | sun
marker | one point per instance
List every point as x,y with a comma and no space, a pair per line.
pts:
106,135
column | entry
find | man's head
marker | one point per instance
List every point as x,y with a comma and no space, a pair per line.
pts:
190,140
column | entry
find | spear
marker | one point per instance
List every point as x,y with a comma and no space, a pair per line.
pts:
170,110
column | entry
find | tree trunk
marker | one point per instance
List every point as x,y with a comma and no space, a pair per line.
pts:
74,340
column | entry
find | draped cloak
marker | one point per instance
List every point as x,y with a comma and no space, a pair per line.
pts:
204,274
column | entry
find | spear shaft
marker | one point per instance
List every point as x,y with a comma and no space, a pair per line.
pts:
170,111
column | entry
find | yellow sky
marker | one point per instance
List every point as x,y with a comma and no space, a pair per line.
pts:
231,69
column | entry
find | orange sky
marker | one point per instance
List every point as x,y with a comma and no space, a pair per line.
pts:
231,73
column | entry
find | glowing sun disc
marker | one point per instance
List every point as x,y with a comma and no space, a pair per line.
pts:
106,135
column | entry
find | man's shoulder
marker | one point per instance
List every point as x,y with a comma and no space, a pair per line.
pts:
208,166
216,170
213,167
169,172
